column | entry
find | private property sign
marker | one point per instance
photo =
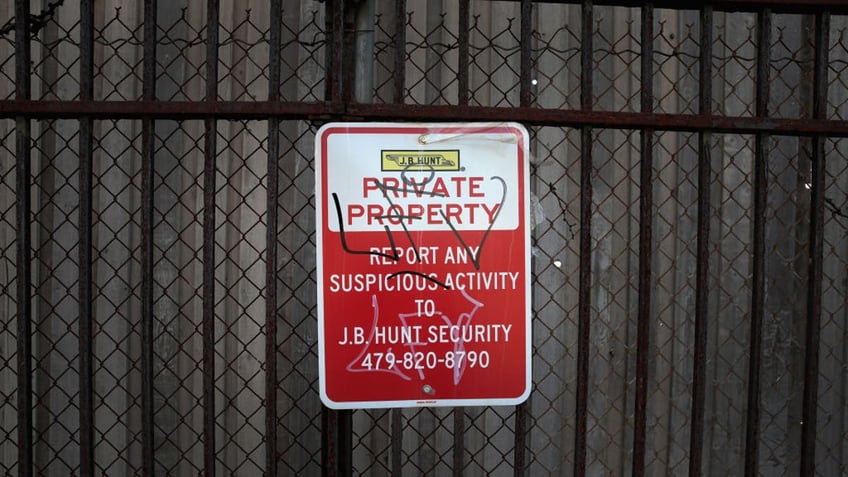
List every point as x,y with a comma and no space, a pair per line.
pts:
423,264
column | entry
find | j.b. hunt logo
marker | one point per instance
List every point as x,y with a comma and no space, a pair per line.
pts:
420,160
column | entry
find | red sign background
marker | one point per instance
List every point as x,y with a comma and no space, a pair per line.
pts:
390,332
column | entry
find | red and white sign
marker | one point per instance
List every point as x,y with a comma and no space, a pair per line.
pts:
423,264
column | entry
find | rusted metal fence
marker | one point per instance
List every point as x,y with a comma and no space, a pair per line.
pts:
690,179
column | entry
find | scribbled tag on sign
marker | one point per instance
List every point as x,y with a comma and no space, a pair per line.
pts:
423,264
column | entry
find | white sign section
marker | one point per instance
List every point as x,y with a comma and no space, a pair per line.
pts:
423,264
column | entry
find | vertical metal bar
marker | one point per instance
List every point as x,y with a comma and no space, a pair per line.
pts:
209,177
458,441
752,426
212,23
86,330
330,419
148,131
584,303
345,417
24,329
345,442
274,52
397,443
526,44
525,98
464,58
23,211
399,72
271,263
820,65
696,436
643,326
350,55
815,274
328,442
705,63
22,50
335,26
208,327
338,425
646,40
337,73
520,450
587,25
23,245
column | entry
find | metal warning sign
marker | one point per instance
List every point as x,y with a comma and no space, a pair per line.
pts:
423,264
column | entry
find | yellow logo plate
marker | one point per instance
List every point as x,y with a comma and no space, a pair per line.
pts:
420,160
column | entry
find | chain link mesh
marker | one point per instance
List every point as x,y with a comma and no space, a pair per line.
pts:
832,378
117,295
118,40
7,52
240,310
730,275
55,290
787,249
734,63
556,172
614,284
837,85
299,409
8,302
675,237
177,265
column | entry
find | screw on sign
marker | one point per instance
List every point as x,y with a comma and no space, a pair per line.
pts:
423,264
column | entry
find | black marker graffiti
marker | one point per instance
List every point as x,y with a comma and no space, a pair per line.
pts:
394,256
475,258
417,188
347,249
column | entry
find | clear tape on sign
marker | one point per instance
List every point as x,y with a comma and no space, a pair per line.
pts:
473,135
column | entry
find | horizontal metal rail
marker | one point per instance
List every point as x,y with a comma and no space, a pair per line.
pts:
776,6
319,111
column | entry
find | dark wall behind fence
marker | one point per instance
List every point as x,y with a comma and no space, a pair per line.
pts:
690,207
